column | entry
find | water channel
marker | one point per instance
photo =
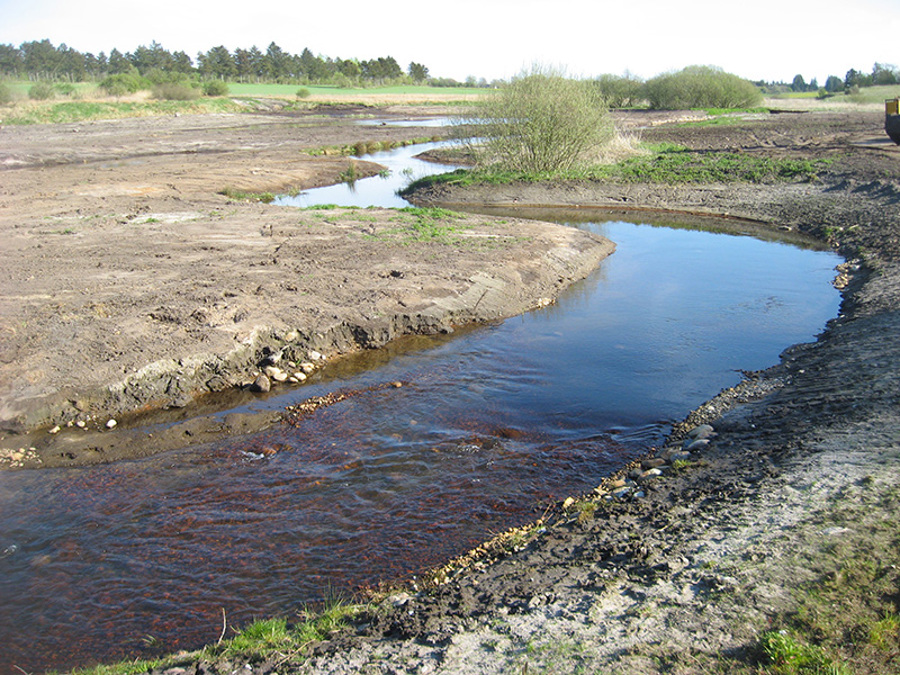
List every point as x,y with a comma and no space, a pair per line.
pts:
142,557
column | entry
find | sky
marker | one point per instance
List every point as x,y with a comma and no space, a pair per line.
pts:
771,40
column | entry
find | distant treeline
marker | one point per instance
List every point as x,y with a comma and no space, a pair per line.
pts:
40,60
882,74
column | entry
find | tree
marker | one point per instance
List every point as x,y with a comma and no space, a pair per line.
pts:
418,72
541,121
883,73
118,64
11,62
217,62
834,84
701,87
799,84
276,62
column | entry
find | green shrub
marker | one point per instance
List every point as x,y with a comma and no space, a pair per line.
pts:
174,91
42,91
6,94
622,91
540,121
303,92
65,89
701,87
123,84
215,88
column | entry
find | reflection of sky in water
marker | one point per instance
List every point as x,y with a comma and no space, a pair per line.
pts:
402,169
488,426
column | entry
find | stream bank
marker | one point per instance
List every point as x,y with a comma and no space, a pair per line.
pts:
687,578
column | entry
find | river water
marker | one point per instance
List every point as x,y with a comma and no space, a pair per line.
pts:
142,557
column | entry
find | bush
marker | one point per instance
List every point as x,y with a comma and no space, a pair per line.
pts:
42,91
173,91
303,92
123,84
215,88
541,121
620,91
701,87
6,94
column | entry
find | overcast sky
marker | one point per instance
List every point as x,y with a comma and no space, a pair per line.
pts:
760,39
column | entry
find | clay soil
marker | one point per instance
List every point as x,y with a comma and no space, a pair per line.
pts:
685,579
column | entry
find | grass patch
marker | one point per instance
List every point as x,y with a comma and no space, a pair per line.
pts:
426,224
847,618
65,112
665,164
242,196
260,640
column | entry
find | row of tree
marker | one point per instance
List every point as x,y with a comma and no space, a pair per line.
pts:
40,60
882,74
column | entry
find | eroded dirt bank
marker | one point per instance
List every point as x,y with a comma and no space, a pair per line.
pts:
130,284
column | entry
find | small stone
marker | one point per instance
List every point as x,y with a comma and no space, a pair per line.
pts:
701,431
300,377
80,424
618,483
397,384
315,356
652,463
569,501
307,367
621,492
111,424
651,473
56,429
261,384
699,444
682,456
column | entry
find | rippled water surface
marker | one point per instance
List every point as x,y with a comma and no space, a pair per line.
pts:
143,556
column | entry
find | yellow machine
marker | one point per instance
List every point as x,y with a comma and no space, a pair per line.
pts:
892,119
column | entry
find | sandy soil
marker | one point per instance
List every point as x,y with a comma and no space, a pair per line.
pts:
130,285
681,580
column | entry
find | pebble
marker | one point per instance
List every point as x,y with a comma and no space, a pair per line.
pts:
315,356
651,473
653,463
701,431
275,373
695,446
621,492
111,424
56,429
307,367
682,456
261,384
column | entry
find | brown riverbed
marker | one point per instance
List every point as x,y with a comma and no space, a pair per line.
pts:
683,580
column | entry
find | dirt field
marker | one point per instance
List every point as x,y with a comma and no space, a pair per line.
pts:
131,285
803,472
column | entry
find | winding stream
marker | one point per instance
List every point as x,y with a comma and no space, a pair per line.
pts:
142,557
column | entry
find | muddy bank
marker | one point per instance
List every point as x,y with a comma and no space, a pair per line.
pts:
131,285
687,577
684,578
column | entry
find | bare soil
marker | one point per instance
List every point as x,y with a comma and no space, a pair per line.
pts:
131,285
682,580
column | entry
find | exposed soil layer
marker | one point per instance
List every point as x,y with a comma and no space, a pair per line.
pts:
131,285
686,577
